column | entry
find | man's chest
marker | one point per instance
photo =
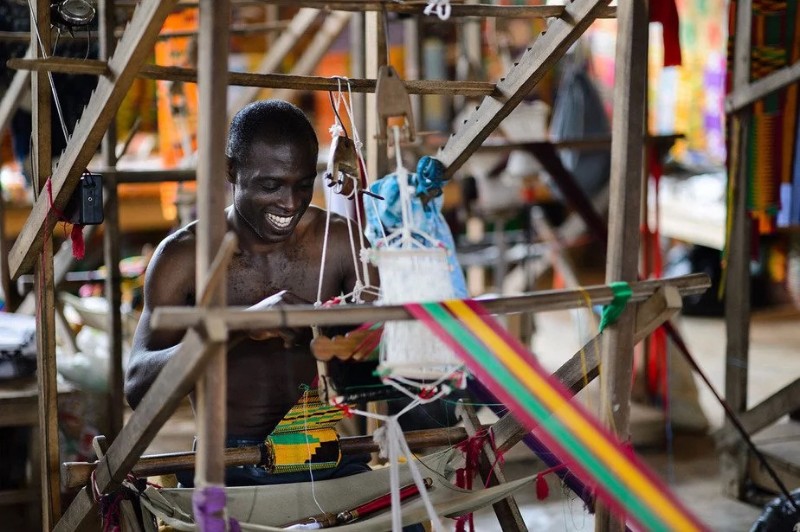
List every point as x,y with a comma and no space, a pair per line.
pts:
251,279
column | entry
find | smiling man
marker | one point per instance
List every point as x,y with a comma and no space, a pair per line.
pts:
272,159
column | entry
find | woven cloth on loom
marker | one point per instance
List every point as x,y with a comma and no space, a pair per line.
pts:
305,438
771,138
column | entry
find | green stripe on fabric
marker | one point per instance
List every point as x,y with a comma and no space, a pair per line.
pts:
555,427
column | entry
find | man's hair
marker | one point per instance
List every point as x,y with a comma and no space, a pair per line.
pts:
268,121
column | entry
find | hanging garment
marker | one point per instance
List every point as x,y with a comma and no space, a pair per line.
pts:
579,114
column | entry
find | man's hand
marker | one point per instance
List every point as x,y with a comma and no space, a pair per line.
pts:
288,335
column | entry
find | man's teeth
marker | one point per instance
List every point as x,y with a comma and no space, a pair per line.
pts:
280,221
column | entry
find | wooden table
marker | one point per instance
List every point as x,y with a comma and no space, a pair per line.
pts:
19,408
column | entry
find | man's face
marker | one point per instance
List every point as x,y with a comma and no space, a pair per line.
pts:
274,186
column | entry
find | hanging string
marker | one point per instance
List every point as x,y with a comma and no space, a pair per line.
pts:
308,447
324,257
392,444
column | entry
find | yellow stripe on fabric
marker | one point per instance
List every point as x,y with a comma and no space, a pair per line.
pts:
639,484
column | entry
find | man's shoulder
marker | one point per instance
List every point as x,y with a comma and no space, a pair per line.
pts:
179,246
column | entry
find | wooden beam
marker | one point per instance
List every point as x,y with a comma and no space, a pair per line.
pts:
44,290
278,51
733,461
457,10
211,391
765,413
622,256
752,92
80,515
333,26
374,56
65,65
239,318
539,58
111,242
171,387
272,81
133,48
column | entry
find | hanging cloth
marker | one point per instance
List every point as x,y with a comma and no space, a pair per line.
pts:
666,12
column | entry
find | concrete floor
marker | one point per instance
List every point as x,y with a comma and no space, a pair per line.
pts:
690,467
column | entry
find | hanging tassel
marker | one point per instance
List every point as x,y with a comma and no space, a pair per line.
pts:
78,245
542,489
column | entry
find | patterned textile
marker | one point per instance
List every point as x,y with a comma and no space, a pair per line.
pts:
772,135
305,438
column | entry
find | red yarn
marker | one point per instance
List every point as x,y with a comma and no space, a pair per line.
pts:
78,245
344,407
542,489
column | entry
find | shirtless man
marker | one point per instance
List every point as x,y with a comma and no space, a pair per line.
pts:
272,159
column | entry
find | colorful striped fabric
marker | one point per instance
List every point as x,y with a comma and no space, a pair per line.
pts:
504,366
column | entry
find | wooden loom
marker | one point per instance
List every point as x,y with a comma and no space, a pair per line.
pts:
204,344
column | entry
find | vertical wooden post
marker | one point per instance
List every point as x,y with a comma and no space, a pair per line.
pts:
627,144
357,54
413,64
737,287
375,55
211,226
111,242
44,287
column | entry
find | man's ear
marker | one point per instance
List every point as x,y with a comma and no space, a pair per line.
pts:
230,170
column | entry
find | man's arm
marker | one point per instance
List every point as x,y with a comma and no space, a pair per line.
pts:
169,282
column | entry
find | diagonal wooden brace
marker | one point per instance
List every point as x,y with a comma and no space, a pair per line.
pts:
543,54
133,48
584,365
506,510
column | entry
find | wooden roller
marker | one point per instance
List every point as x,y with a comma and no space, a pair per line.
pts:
78,474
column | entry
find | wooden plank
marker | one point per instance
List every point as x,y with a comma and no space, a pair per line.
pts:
274,81
211,390
44,290
333,26
133,48
539,58
80,513
622,256
65,65
778,443
733,462
171,387
765,413
278,51
239,318
375,55
111,242
752,92
457,11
